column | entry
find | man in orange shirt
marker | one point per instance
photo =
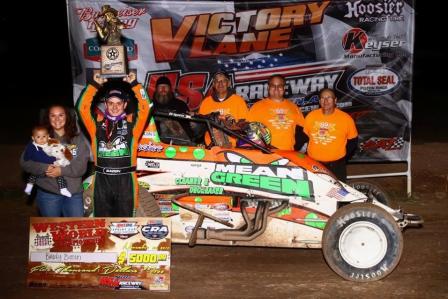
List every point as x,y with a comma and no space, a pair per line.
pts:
224,100
332,134
279,115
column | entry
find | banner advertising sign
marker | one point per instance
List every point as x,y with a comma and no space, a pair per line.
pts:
361,48
107,253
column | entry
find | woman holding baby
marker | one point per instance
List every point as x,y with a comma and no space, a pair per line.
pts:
61,125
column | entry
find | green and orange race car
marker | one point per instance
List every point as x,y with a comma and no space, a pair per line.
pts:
260,196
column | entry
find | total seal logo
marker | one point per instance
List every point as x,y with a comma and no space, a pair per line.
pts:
155,231
374,81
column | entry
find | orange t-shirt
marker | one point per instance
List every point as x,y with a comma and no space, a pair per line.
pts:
234,105
328,134
281,118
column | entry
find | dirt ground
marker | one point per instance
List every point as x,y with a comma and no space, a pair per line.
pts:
242,272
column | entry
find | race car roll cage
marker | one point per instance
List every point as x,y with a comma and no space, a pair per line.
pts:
211,121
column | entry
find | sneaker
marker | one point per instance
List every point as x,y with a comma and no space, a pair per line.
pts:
65,192
29,188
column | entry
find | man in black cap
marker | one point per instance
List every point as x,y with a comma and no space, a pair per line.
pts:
165,101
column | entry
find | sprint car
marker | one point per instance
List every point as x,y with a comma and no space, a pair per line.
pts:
261,196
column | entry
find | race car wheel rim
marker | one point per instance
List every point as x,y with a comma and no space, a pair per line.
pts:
363,244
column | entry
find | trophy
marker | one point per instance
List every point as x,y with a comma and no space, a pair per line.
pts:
113,55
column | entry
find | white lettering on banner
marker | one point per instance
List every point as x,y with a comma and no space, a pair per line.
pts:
297,86
387,7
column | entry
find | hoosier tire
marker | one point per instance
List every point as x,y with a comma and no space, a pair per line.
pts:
362,242
148,206
372,190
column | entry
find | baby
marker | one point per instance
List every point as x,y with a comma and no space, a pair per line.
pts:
37,151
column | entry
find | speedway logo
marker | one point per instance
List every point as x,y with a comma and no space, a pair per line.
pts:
374,81
375,11
295,85
356,40
123,229
92,49
279,180
300,80
128,15
233,33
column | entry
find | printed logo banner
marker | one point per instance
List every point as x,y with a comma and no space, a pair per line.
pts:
361,48
106,253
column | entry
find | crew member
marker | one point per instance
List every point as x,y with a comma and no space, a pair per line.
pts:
282,117
332,133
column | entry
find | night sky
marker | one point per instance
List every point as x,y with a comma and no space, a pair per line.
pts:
35,60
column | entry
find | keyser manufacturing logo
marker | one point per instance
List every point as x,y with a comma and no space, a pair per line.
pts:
356,40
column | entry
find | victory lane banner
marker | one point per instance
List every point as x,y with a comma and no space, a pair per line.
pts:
363,49
106,253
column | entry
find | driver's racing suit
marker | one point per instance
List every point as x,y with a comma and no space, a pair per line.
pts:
114,147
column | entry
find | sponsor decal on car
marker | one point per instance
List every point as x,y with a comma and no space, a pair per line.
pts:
280,180
150,147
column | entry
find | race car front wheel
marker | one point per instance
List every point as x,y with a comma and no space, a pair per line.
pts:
362,242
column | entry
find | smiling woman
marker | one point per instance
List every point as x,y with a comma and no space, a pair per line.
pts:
62,127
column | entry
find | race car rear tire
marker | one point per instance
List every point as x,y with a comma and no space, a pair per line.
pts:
148,206
372,190
362,242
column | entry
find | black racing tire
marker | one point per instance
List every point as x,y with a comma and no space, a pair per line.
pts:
87,199
372,190
362,242
148,206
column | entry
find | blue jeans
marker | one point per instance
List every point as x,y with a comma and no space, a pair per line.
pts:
57,205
